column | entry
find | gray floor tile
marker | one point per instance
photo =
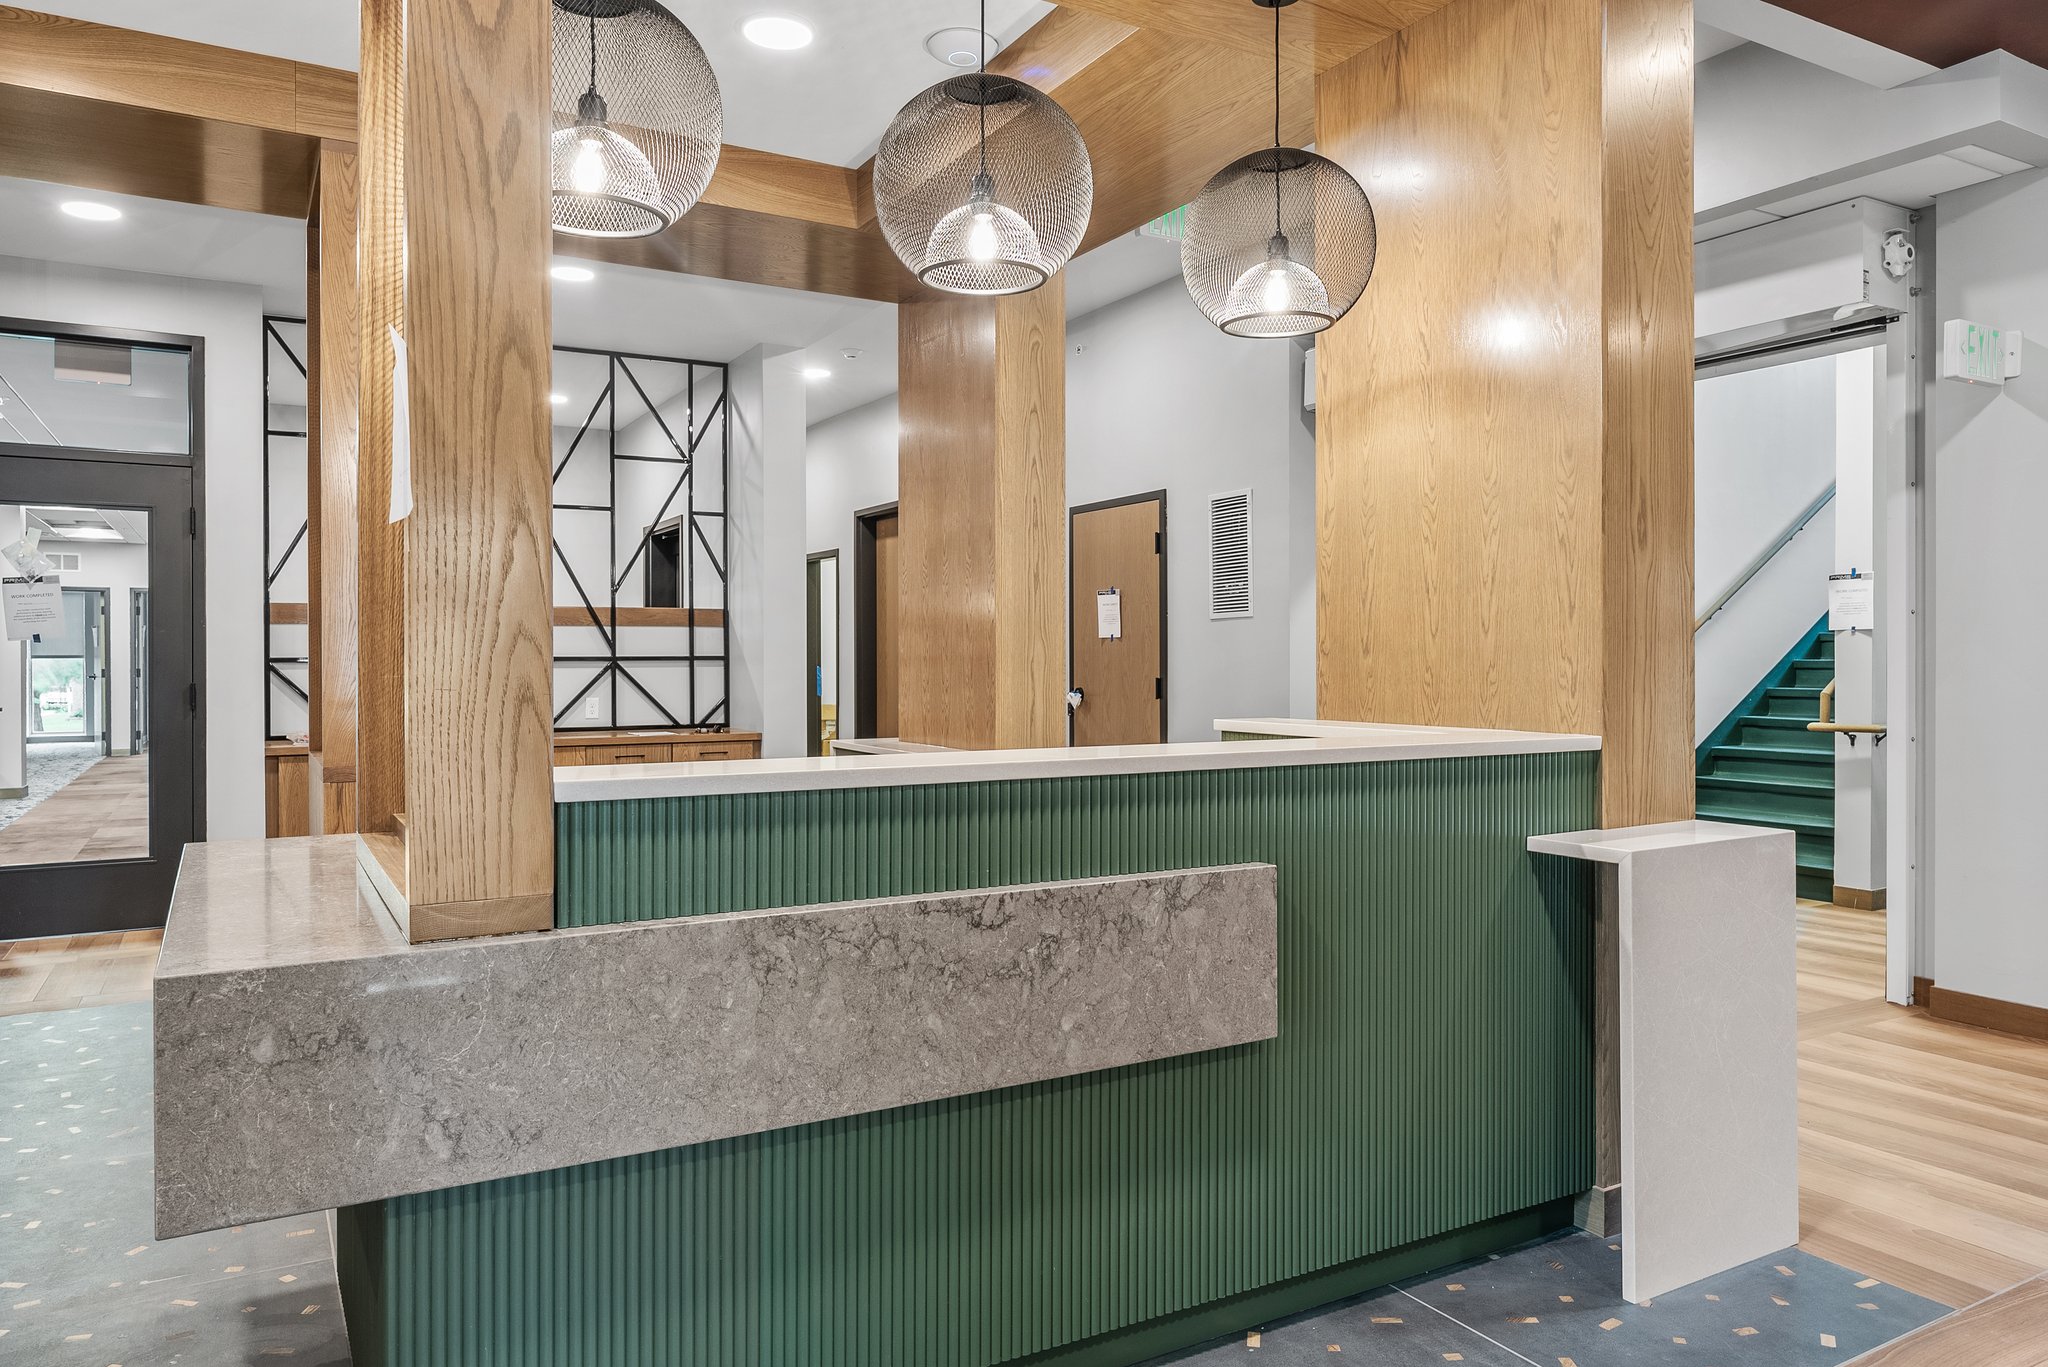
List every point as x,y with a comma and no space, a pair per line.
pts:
1561,1300
1383,1329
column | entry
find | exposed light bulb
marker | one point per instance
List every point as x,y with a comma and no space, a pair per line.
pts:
587,175
1275,298
981,238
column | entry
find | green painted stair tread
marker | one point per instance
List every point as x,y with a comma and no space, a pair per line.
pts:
1771,761
1797,787
1751,814
1787,731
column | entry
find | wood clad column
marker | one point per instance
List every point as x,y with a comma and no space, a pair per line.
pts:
333,333
982,500
455,771
1504,444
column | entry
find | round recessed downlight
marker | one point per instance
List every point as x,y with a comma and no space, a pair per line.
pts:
816,372
964,48
777,33
573,274
91,210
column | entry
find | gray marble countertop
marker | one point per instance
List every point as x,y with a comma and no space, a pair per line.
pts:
1330,743
307,1057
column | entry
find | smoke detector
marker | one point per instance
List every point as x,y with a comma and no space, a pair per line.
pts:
963,49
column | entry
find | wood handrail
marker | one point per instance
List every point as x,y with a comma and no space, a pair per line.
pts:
1851,729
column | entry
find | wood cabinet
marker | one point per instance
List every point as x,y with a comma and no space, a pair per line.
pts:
575,748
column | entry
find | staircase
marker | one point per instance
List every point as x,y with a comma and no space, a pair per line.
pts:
1762,767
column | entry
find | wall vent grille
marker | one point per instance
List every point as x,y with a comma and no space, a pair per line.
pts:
1230,554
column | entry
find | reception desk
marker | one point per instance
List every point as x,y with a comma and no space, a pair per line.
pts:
948,1057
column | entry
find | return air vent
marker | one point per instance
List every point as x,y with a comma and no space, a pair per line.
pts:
1230,554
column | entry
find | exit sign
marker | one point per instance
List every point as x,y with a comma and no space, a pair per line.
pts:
1976,354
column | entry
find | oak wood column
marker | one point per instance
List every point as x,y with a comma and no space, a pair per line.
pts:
333,334
455,762
982,498
1504,446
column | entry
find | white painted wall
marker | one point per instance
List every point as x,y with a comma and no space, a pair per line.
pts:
1859,665
850,465
229,318
1155,399
1987,470
767,589
1765,449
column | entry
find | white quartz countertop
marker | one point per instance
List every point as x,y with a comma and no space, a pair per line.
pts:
1615,846
1346,743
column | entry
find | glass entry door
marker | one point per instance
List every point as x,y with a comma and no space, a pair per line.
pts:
109,722
66,675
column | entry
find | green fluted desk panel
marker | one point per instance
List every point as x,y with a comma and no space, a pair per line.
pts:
1432,1077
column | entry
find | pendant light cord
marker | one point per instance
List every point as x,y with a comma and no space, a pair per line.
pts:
1276,121
981,44
593,57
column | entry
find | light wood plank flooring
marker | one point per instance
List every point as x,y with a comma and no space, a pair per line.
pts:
101,814
1923,1146
76,970
2008,1330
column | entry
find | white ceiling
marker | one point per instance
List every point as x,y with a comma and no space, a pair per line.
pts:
59,524
1708,41
828,102
161,237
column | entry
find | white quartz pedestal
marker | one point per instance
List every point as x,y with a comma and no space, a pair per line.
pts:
1707,1034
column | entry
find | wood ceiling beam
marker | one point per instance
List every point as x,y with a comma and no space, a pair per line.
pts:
1164,92
1317,34
137,113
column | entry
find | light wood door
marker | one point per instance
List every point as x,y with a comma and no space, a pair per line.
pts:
1120,547
888,616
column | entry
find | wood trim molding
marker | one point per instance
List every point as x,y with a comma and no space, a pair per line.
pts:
1861,899
577,615
1986,1013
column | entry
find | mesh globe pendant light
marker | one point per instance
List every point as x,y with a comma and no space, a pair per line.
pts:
638,122
1281,242
983,185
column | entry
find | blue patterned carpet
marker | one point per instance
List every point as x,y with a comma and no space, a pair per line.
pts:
82,1278
84,1284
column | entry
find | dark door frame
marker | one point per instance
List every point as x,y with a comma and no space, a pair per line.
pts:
814,645
864,521
138,671
130,894
1073,627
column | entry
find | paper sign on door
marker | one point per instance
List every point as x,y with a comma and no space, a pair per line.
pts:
31,608
1109,614
1852,602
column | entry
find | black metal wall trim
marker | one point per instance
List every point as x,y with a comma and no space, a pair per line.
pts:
701,706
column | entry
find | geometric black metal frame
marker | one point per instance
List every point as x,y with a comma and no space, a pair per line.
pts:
273,568
707,708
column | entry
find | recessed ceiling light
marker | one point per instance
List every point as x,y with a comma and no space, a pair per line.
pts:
89,534
776,33
573,274
558,398
91,210
816,372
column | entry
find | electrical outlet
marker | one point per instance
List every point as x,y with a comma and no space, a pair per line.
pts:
590,708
